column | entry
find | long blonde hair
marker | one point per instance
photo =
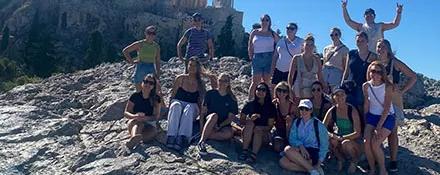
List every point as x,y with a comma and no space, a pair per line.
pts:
229,88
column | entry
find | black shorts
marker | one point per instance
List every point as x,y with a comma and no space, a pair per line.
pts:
279,133
279,76
314,155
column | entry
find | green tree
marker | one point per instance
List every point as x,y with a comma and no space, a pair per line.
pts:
8,69
94,54
226,43
5,39
39,50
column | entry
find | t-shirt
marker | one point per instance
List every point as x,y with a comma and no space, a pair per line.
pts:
284,58
222,105
197,42
266,112
336,59
141,104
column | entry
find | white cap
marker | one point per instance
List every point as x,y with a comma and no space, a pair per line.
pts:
306,103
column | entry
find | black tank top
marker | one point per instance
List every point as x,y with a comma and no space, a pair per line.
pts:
395,73
190,97
358,67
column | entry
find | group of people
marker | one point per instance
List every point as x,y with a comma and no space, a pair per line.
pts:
345,102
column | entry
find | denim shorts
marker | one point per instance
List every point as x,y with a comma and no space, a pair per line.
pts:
262,63
332,75
389,123
142,69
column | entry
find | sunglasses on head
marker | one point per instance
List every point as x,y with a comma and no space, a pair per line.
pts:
376,71
148,82
316,89
282,90
262,89
303,109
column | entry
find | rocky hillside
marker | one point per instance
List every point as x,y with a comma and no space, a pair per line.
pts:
72,124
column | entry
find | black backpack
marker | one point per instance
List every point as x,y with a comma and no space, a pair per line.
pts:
315,128
350,116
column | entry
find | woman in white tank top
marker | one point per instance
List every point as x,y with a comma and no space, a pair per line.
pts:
261,49
380,119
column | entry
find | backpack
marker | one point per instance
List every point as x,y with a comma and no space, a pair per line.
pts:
315,128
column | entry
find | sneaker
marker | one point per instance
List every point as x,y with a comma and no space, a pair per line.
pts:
393,166
171,141
202,149
314,172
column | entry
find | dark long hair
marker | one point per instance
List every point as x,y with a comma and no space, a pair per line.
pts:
267,98
153,97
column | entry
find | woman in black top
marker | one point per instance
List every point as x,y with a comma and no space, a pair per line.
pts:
394,67
186,98
220,107
320,102
356,68
258,116
142,110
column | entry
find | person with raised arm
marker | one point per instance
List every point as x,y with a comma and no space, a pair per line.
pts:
374,30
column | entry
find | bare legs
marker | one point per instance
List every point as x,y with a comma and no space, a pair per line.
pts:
139,132
373,148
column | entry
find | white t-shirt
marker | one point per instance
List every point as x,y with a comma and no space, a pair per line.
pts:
284,58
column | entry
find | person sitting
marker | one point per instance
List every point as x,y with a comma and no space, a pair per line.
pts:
220,106
308,142
378,92
320,101
346,141
143,110
286,111
186,95
258,116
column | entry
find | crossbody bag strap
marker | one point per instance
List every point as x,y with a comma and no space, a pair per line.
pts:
333,53
374,94
287,47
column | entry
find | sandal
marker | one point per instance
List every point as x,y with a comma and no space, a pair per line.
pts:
244,154
252,158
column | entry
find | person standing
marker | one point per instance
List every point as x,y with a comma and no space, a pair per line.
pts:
335,56
261,50
197,39
394,67
375,31
148,57
286,48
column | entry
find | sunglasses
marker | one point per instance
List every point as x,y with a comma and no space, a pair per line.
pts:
290,28
334,34
376,71
317,89
151,33
303,109
261,89
265,19
282,90
148,82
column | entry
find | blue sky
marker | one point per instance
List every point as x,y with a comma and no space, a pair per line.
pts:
416,40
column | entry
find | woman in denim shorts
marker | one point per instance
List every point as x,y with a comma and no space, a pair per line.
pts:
261,50
148,57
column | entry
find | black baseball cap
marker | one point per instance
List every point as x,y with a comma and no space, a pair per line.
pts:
369,11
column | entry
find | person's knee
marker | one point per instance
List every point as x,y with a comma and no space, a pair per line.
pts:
284,162
212,117
258,130
347,145
175,106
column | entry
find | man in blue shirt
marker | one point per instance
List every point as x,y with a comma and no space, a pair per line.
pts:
197,39
308,141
